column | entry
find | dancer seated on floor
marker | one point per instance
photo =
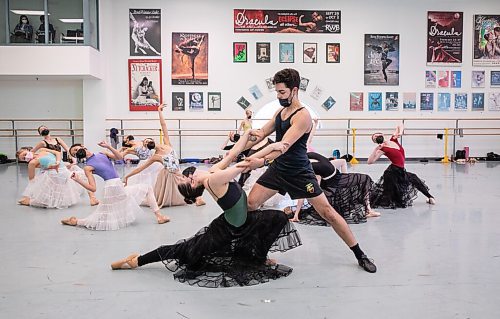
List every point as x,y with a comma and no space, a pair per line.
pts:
397,187
52,187
144,150
349,194
233,249
120,204
165,190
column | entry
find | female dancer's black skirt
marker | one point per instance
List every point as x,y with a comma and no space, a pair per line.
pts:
397,188
221,255
347,193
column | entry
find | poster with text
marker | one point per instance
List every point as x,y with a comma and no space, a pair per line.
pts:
178,101
478,79
409,101
460,101
495,79
304,83
456,79
356,101
144,80
426,101
286,21
287,54
255,92
494,101
486,40
443,79
316,93
145,32
381,59
189,58
329,103
310,53
196,101
214,101
478,101
444,102
430,79
444,37
244,103
240,52
333,53
391,101
270,84
263,53
374,101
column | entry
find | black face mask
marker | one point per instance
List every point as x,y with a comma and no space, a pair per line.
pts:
151,145
44,132
249,117
379,139
286,102
189,171
81,153
125,144
236,138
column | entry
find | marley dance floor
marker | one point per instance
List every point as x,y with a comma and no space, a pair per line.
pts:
438,261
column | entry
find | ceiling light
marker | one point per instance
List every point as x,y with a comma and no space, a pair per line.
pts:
71,20
29,12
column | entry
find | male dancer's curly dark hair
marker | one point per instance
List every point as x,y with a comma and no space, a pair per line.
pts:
289,77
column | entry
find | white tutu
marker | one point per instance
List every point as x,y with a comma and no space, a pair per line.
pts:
118,207
147,176
278,201
52,189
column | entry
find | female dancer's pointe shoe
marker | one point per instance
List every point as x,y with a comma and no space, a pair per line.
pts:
94,202
24,201
431,201
130,262
199,201
271,262
72,221
162,219
373,213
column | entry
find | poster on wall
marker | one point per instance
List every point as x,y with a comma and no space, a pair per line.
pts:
329,103
478,101
443,79
178,101
189,58
304,83
356,101
333,53
196,101
287,54
495,78
244,103
478,79
263,53
460,101
494,101
444,37
374,101
240,52
316,93
256,92
430,79
486,42
444,102
144,81
456,79
391,101
409,101
145,32
426,101
286,21
270,84
214,101
381,59
310,53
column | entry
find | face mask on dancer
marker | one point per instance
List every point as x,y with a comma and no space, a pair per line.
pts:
44,132
151,145
288,101
379,139
81,153
28,157
189,171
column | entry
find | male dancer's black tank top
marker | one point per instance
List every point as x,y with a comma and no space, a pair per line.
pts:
295,159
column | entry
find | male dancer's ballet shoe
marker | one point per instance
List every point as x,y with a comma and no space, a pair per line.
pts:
367,264
431,201
162,219
72,221
128,263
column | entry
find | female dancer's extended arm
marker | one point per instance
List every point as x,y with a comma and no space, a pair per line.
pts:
163,123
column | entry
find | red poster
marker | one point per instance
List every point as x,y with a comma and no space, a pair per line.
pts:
145,86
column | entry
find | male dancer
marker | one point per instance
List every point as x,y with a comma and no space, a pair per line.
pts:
290,171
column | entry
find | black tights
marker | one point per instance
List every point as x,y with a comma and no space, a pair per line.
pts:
417,182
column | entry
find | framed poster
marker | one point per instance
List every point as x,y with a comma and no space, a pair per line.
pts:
478,79
430,79
444,37
495,78
196,101
144,81
444,102
263,53
409,101
309,52
456,79
356,101
287,54
485,51
255,92
189,58
494,101
478,101
240,52
243,103
329,103
381,59
374,101
214,101
316,93
426,101
333,53
145,32
270,84
304,83
460,101
178,101
443,79
391,101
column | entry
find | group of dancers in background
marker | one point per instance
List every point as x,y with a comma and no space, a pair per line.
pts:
233,249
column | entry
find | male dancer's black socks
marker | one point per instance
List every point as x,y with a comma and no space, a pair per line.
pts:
357,251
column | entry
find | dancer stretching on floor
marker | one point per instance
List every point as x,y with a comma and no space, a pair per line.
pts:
233,249
397,187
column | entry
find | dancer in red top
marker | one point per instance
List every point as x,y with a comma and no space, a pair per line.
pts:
397,187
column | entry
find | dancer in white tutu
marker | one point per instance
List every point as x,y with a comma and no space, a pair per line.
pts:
165,190
120,204
56,144
53,187
143,150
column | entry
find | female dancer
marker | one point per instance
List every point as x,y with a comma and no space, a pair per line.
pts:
120,204
233,249
165,190
246,124
144,150
349,194
57,144
53,187
397,187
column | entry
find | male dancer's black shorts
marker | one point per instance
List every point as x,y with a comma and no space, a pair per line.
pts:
298,185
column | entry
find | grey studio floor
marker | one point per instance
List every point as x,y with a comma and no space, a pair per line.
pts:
438,261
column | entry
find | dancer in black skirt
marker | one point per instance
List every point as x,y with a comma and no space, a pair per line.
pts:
397,187
233,249
349,194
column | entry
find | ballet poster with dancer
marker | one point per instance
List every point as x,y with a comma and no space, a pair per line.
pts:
214,101
145,32
426,101
356,101
381,59
444,37
178,101
460,101
196,101
444,102
145,86
494,101
486,40
286,21
409,101
374,101
391,101
478,101
189,58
